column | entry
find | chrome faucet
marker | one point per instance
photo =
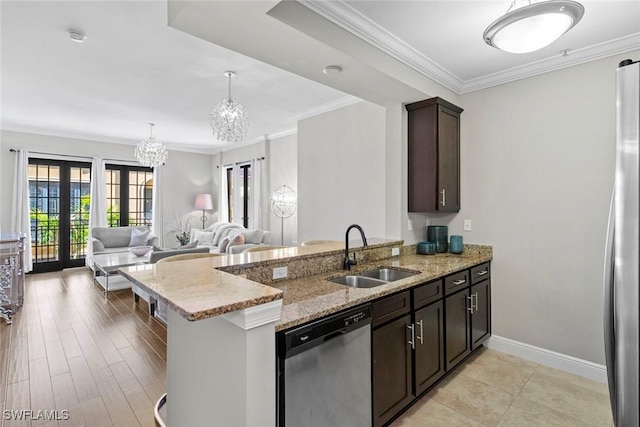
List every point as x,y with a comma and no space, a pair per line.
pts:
349,262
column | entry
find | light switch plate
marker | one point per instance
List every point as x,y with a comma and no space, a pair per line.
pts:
395,251
467,225
280,273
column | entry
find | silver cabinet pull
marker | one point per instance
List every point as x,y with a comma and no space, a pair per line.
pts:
459,282
482,273
412,341
419,323
474,305
470,308
444,197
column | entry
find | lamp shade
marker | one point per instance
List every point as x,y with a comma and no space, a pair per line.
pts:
204,201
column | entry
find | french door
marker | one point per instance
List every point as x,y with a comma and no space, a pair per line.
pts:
59,212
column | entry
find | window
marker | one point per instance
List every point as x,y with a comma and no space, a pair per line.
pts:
129,195
239,193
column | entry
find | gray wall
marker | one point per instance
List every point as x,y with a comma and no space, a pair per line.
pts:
341,172
186,174
537,174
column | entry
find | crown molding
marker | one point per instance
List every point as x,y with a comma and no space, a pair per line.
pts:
558,62
343,15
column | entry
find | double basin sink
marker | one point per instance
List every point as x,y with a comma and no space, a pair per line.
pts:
373,278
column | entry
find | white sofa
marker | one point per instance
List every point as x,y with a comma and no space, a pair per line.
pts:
218,237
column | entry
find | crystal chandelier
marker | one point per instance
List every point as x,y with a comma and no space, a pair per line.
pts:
229,120
149,152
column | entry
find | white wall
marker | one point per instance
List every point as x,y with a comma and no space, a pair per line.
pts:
537,173
186,174
341,172
282,161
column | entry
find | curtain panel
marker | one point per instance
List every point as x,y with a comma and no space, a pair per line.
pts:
20,214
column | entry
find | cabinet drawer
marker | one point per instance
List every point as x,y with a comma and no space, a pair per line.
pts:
391,307
480,272
456,282
427,294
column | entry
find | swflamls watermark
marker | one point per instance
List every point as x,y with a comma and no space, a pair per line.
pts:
40,415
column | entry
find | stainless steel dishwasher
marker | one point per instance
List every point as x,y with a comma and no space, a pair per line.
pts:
324,372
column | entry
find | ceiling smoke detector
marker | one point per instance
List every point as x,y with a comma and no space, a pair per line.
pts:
77,36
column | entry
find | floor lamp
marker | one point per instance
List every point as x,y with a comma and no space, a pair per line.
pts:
283,205
204,201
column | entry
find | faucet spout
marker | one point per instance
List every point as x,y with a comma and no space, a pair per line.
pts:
347,261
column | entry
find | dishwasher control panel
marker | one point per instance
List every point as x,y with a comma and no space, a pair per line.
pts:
315,333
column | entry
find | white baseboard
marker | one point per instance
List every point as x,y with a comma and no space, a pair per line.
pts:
560,361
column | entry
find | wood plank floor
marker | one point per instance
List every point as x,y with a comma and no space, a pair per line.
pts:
104,362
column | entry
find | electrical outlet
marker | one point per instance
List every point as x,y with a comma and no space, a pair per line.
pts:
467,225
410,225
395,251
280,273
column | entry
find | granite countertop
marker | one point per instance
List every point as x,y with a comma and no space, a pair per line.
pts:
313,297
197,289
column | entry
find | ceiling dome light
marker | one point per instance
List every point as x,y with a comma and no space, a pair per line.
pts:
533,27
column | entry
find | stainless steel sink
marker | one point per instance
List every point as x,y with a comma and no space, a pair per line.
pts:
388,274
358,281
373,278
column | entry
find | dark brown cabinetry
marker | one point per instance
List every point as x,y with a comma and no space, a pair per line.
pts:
468,312
420,334
434,156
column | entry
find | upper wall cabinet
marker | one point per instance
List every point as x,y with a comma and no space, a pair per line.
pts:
434,156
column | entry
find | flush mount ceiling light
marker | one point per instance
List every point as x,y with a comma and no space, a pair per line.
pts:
228,119
534,26
150,152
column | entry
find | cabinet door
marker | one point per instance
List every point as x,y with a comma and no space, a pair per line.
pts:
481,317
457,331
391,353
448,160
429,353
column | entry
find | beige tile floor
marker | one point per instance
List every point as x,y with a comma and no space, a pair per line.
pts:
497,389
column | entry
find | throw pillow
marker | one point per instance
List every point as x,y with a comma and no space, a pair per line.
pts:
253,236
139,237
204,237
235,241
189,245
223,244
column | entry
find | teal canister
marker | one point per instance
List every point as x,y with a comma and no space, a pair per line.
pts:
440,235
426,248
456,246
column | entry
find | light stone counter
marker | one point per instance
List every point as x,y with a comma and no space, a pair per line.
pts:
205,287
313,297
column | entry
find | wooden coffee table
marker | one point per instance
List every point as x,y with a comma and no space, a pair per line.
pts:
107,265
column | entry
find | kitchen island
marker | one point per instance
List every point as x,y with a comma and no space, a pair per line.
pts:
224,311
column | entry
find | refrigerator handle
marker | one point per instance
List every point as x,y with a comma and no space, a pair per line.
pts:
609,309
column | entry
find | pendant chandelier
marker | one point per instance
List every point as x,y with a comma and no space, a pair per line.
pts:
229,120
149,152
534,26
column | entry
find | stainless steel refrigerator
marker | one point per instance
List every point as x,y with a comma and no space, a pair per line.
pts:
622,262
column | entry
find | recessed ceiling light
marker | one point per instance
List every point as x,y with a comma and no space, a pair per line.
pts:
332,69
77,36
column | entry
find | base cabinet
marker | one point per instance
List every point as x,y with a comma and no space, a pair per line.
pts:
429,351
391,364
420,335
458,328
